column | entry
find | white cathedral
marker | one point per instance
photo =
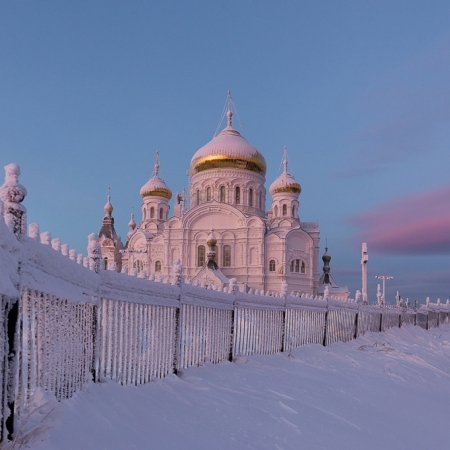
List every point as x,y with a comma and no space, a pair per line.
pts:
225,232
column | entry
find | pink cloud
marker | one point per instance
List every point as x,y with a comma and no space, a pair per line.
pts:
417,224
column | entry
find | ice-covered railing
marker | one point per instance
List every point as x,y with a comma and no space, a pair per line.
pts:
65,321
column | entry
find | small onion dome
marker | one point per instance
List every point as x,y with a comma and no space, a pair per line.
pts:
228,150
326,256
285,183
132,223
155,187
211,241
108,208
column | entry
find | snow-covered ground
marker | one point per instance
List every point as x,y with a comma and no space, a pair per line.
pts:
383,391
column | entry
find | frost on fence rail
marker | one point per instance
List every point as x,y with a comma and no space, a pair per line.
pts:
57,343
258,325
303,326
390,318
137,341
369,320
205,326
205,334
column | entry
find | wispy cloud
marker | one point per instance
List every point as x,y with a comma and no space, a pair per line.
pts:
413,225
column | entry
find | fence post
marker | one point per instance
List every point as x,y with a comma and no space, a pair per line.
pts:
96,338
11,366
232,330
177,338
325,328
356,324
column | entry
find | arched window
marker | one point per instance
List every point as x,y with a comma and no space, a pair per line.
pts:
152,212
157,266
250,197
200,256
293,211
284,210
237,195
260,200
161,216
272,265
276,211
208,194
198,196
226,260
222,194
303,268
295,266
105,260
138,265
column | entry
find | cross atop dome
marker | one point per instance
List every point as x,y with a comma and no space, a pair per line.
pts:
285,160
156,166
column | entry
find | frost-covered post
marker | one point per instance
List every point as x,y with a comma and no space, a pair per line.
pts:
177,272
65,249
33,231
379,295
326,293
73,254
56,244
94,252
284,288
358,296
46,238
233,285
13,193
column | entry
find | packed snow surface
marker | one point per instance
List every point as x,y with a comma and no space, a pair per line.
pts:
382,391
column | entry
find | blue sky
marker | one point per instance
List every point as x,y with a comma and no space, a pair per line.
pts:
357,91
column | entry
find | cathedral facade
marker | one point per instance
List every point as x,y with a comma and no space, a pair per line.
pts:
225,233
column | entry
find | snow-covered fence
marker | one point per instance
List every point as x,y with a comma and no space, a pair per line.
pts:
369,319
137,328
65,322
304,322
390,318
56,345
205,327
137,341
258,325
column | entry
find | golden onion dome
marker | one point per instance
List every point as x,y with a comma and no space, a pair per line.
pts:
285,183
155,187
211,240
228,150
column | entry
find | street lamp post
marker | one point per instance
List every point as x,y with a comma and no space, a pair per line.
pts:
384,278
